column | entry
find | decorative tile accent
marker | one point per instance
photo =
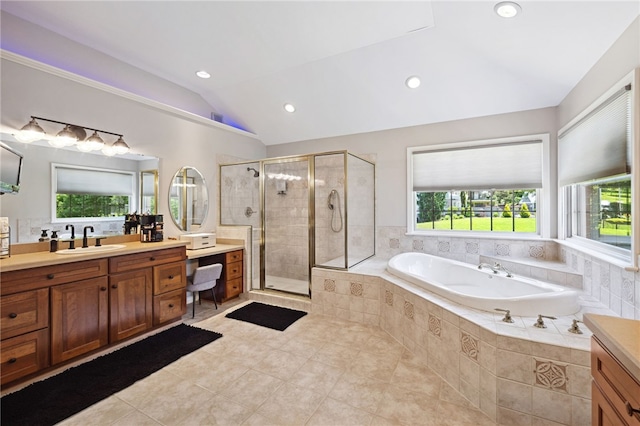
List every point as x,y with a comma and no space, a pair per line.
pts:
550,375
356,289
408,309
394,243
329,285
444,246
536,252
472,248
588,268
502,249
418,245
469,346
388,297
627,290
434,325
605,280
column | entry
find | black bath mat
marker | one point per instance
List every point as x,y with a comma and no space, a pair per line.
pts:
269,316
65,394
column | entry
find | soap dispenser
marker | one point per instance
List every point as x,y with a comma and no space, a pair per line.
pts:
44,236
54,242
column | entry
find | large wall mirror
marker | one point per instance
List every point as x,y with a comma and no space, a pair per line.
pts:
188,199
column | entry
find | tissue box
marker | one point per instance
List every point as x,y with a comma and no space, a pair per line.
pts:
199,241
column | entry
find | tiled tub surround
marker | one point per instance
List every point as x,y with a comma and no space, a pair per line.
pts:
515,373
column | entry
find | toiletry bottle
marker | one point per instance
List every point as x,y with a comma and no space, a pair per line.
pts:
54,242
44,236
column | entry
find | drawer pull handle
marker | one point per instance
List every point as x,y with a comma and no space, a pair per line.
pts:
12,360
50,276
152,258
114,286
103,289
170,277
630,410
171,305
13,315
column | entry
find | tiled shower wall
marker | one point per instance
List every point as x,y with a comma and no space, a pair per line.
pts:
611,284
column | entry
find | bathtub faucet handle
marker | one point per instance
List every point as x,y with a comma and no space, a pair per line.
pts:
574,327
507,315
499,267
488,265
540,322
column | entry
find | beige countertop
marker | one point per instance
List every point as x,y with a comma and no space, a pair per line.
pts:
210,251
45,258
620,336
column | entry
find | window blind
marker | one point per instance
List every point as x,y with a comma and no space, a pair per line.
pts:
599,145
93,182
516,165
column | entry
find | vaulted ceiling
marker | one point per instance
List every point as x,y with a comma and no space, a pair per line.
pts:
343,64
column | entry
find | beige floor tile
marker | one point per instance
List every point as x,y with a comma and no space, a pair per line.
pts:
382,345
332,412
407,407
218,411
449,394
304,346
381,421
358,391
252,389
453,415
104,412
280,364
257,419
135,418
417,378
291,405
336,355
150,388
316,376
377,366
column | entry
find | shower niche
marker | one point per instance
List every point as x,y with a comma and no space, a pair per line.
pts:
314,210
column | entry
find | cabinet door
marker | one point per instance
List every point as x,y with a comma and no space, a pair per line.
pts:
130,303
602,413
79,318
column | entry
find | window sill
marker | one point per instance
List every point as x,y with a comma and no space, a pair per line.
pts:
478,235
616,259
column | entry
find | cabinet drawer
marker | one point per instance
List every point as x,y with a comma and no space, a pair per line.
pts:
169,306
233,256
233,270
23,355
130,262
233,288
24,312
617,385
45,276
172,276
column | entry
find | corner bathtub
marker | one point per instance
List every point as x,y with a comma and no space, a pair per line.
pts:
481,288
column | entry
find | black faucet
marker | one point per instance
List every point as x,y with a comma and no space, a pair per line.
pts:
72,243
84,236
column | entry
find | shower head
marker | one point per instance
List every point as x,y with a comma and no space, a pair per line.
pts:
255,172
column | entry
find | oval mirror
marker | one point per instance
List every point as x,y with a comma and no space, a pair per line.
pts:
188,199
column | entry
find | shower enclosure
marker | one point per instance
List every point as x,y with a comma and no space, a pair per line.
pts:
305,211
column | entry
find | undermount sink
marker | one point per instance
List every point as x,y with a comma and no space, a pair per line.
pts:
91,249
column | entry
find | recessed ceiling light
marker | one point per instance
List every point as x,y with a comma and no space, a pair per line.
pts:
289,108
412,82
203,74
507,9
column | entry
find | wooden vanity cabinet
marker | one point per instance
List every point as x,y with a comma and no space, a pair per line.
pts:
615,392
130,303
230,283
24,328
169,292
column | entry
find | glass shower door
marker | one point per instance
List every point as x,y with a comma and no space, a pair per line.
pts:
286,226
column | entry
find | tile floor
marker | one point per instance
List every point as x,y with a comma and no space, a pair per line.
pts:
320,371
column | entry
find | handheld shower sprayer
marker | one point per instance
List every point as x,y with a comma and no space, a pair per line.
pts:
336,222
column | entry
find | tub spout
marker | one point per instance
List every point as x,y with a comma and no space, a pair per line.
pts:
487,265
499,267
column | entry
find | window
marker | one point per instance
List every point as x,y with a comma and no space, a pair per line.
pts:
88,193
595,172
486,186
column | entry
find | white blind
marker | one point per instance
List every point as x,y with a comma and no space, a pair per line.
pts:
93,182
598,146
516,165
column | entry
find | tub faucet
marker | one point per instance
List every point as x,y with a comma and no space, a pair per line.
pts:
72,243
85,243
500,267
487,265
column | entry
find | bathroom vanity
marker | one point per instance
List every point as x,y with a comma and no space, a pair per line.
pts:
58,308
615,367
